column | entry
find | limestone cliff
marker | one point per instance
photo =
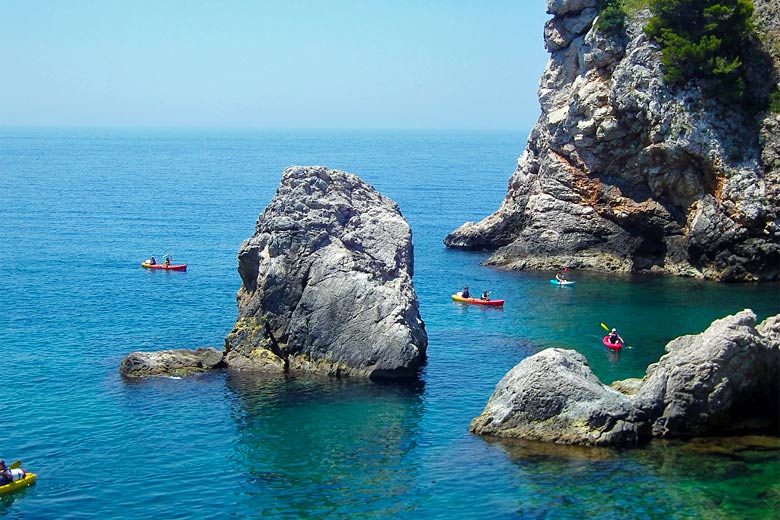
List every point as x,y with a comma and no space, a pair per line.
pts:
624,173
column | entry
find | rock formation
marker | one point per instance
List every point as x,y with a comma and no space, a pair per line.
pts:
554,397
164,363
326,287
723,381
327,283
622,173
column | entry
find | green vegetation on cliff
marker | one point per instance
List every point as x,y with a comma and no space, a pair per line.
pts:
700,40
703,39
774,101
612,13
612,17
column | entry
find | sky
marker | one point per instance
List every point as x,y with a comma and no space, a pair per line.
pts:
384,64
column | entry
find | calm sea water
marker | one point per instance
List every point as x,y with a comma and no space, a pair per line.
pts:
81,209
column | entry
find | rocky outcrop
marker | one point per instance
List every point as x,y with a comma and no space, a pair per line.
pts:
327,283
166,363
554,397
725,380
622,173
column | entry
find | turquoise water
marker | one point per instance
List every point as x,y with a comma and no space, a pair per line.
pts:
82,208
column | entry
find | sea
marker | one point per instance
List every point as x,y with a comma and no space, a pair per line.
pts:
83,207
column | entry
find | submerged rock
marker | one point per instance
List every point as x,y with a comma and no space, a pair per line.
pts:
624,173
327,283
723,381
166,363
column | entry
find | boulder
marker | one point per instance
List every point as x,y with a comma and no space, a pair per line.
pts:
553,396
327,283
723,381
171,363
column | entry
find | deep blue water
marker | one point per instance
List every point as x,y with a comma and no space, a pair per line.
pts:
80,210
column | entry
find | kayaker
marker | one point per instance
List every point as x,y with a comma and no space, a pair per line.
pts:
5,474
614,337
485,295
465,292
167,261
561,276
152,261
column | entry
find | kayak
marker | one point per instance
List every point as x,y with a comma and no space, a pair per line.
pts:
613,346
180,267
558,282
494,303
26,480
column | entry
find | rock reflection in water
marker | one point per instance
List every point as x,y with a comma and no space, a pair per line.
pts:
322,446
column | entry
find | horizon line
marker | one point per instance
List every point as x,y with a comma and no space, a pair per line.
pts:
250,128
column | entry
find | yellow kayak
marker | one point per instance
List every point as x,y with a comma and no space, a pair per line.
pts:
27,480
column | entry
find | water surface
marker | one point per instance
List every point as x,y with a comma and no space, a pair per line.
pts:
82,208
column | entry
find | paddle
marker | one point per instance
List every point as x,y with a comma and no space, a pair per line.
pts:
15,464
610,330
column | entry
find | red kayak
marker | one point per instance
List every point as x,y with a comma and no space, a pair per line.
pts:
479,301
180,267
614,346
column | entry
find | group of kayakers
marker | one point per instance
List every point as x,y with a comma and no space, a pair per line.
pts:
466,294
561,277
168,265
153,261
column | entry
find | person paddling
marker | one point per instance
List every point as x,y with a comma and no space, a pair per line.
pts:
485,295
5,474
615,338
465,292
167,261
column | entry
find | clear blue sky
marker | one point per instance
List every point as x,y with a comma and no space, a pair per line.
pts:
280,64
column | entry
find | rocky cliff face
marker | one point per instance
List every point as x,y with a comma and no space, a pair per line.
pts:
622,173
327,283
